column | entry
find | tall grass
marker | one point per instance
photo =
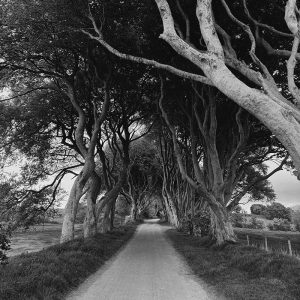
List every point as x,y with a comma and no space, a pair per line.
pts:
51,273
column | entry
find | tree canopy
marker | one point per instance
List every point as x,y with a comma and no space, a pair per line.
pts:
192,118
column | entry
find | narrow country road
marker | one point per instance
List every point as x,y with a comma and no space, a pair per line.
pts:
147,268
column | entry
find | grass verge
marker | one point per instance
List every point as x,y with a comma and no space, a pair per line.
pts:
53,272
241,272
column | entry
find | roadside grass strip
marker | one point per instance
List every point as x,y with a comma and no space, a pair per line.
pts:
241,272
53,272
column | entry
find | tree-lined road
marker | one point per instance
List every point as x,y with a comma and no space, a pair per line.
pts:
147,268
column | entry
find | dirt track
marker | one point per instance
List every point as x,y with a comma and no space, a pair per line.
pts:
147,268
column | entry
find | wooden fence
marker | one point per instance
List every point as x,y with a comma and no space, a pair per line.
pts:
281,244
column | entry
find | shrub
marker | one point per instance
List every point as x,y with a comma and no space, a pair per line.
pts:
202,223
198,225
280,224
4,243
237,220
277,210
257,209
254,224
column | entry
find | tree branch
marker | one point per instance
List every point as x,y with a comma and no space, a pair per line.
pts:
141,60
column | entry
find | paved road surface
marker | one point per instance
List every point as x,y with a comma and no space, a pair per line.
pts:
147,268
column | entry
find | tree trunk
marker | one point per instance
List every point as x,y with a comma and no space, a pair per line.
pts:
90,221
110,198
170,210
112,215
269,107
221,228
105,223
67,233
133,211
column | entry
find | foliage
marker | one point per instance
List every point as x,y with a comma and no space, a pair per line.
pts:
4,242
45,52
199,225
237,220
254,224
296,219
202,222
21,207
277,210
51,273
238,209
280,224
258,209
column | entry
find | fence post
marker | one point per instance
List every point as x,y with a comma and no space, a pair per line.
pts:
248,242
266,243
290,247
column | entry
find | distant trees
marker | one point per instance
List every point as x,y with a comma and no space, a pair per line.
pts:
272,211
144,176
277,210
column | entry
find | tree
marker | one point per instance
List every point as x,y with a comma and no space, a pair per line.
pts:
258,209
277,210
144,176
226,155
212,150
223,69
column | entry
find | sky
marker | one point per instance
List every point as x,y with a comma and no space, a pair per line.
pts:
286,186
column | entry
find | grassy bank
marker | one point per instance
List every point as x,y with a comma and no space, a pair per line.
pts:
240,272
51,273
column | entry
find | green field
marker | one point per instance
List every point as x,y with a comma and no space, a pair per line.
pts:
277,240
37,238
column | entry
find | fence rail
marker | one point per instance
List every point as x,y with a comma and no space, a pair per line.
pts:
284,243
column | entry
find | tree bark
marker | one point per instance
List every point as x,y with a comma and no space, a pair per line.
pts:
90,221
133,211
105,223
171,210
221,227
112,215
110,198
280,117
89,163
67,233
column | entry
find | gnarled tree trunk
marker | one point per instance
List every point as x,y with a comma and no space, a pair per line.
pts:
221,227
77,191
133,210
90,221
110,198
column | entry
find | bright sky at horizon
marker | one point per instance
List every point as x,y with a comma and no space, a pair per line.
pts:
286,186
